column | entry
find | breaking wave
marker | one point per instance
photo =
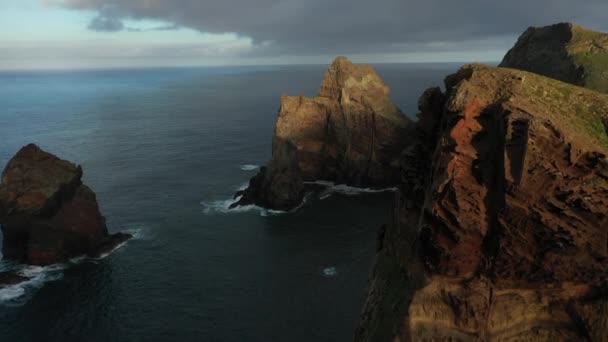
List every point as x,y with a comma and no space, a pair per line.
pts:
223,207
36,276
249,167
342,189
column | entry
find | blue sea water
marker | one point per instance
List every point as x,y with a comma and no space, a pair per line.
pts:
165,149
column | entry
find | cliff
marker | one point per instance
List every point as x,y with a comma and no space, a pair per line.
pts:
500,229
566,52
351,133
47,214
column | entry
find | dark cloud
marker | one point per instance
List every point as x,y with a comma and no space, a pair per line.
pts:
353,26
107,20
170,27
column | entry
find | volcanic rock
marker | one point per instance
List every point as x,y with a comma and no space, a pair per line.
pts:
350,134
567,52
46,213
499,230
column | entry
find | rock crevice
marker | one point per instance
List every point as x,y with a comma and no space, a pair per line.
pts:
504,199
351,133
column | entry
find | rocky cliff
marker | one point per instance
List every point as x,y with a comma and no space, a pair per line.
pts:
351,133
47,214
566,52
500,228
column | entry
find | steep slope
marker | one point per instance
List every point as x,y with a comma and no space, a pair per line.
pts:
47,214
567,52
351,133
500,228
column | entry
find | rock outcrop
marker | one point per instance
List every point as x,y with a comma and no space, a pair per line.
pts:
351,133
500,228
47,214
566,52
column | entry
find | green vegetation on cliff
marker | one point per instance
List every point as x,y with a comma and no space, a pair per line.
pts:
567,52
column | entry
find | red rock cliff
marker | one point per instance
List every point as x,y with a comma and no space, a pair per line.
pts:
500,228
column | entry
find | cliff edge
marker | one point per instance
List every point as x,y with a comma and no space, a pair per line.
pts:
567,52
500,229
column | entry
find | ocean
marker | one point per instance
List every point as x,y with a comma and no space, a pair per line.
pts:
165,150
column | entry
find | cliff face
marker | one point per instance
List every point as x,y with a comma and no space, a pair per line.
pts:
351,133
566,52
500,229
46,213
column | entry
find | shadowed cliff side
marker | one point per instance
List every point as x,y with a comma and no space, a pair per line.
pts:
47,214
567,52
500,228
351,133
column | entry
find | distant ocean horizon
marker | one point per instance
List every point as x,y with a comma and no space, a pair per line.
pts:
72,68
165,148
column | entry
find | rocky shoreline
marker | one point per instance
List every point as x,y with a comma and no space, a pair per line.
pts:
47,214
498,230
350,134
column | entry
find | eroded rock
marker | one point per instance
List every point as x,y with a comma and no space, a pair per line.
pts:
351,133
48,215
500,228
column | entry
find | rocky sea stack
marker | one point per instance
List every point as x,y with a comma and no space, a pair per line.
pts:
350,134
500,232
567,52
47,214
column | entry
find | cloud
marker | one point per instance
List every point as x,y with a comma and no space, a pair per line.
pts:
351,26
106,23
169,27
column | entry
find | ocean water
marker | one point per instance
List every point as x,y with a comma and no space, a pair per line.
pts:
165,149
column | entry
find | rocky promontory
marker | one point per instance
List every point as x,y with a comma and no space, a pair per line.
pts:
500,229
47,214
350,134
567,52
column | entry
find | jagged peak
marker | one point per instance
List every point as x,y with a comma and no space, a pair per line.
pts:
359,83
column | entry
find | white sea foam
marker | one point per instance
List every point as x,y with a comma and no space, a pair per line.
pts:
37,276
330,272
243,186
223,207
138,233
11,293
342,189
249,167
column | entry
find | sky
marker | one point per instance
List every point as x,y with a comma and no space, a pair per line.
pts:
71,34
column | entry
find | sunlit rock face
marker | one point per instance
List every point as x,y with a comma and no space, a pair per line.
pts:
567,52
499,230
47,214
351,133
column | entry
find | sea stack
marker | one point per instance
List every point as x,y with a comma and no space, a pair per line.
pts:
567,52
350,134
499,231
47,214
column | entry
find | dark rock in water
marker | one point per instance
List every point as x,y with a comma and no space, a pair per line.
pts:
350,134
499,230
566,52
279,185
48,215
10,278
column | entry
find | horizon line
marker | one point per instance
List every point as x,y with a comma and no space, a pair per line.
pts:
216,66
